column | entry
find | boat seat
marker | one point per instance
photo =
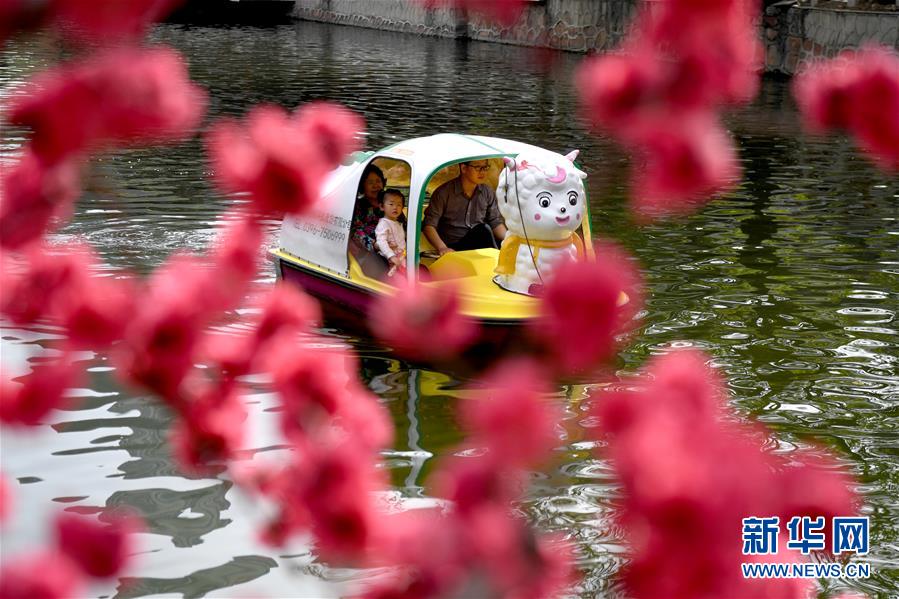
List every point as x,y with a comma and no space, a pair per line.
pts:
469,263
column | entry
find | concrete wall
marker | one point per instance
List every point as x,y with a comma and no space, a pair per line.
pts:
797,35
793,35
577,25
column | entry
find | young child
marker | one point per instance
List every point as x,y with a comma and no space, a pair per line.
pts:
389,234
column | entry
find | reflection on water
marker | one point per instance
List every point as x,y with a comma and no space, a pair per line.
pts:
789,282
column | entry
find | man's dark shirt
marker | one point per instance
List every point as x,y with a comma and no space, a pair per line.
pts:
453,214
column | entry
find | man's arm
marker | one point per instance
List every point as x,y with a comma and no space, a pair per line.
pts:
494,217
433,213
432,236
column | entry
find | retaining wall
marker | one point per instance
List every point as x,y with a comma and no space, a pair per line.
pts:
797,35
792,34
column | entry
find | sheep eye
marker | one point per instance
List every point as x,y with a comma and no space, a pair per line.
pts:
572,199
544,202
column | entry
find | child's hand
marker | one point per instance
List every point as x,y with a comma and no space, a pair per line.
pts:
397,261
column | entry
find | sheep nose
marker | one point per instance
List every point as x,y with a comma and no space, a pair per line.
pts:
562,209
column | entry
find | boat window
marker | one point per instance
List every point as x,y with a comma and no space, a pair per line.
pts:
363,249
452,171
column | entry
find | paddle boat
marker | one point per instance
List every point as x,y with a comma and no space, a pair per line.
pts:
540,194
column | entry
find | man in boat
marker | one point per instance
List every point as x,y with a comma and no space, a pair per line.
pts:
463,214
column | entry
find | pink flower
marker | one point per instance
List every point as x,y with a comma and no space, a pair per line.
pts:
332,130
504,12
660,98
135,95
582,310
211,428
100,550
36,198
874,119
617,90
29,294
318,388
235,259
683,165
5,493
46,575
279,159
667,442
41,391
19,15
104,19
399,320
98,311
824,94
512,417
859,93
168,323
471,483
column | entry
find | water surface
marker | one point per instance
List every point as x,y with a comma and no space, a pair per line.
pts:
789,282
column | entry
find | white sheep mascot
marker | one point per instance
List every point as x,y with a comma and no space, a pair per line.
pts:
541,197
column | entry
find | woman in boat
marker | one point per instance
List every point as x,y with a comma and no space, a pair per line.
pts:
366,215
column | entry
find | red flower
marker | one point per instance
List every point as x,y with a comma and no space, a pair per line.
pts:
36,198
332,130
680,65
46,575
684,164
41,391
29,294
512,415
100,550
135,95
235,259
874,119
618,90
400,319
667,442
104,19
581,311
318,389
282,160
211,428
5,493
858,93
504,12
163,336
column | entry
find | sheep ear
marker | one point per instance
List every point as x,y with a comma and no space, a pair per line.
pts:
572,155
509,161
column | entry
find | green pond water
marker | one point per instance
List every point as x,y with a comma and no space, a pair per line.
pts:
789,283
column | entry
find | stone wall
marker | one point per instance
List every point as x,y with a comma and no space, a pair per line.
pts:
576,25
797,35
793,34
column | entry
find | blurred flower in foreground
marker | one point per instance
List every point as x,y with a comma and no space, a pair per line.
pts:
119,96
48,575
512,414
38,393
477,546
585,306
35,199
857,92
101,550
422,321
690,474
504,12
84,20
682,63
279,159
5,494
104,19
